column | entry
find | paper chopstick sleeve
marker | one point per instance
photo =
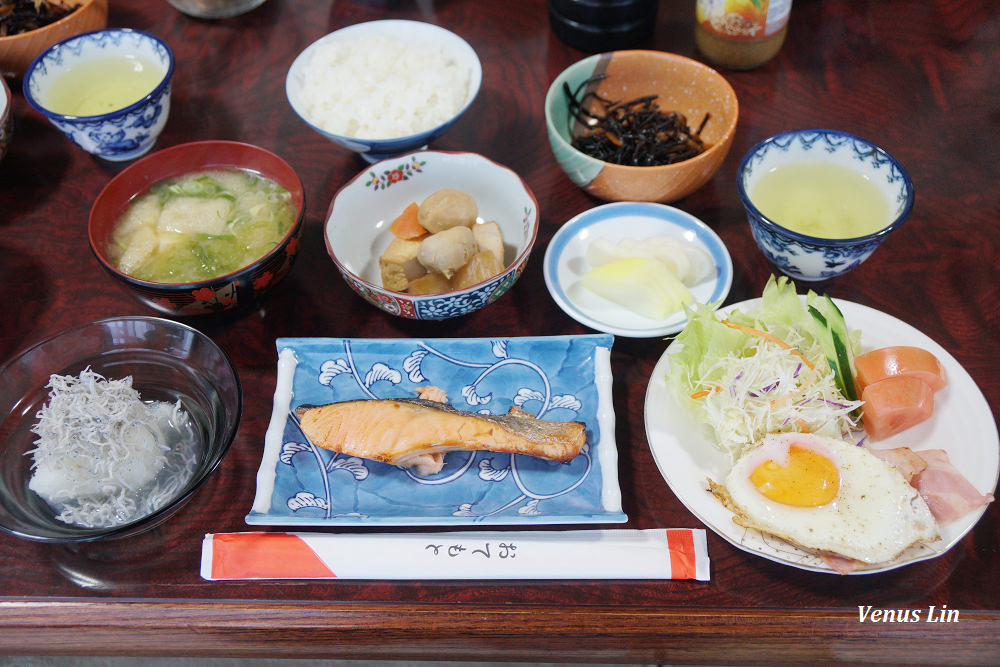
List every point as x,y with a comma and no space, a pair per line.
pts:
679,553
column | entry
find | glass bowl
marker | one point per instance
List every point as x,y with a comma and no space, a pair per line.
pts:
215,9
167,361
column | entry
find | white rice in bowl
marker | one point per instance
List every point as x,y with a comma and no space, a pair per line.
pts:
380,87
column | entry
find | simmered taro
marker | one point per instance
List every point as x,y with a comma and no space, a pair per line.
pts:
440,245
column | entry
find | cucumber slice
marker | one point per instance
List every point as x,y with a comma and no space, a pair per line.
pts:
836,342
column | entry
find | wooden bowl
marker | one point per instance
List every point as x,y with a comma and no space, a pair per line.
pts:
17,51
680,84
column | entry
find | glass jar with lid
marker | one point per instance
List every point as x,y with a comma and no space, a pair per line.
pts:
740,34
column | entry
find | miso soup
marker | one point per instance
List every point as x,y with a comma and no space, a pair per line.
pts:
201,225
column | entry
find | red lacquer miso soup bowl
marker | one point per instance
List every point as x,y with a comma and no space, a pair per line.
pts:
184,206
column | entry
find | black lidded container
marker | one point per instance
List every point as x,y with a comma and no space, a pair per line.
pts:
602,25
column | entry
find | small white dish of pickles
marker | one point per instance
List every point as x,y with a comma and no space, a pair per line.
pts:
628,268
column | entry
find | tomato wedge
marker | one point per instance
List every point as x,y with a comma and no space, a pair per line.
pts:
871,367
895,404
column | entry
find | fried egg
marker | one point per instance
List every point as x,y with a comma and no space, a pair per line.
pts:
826,495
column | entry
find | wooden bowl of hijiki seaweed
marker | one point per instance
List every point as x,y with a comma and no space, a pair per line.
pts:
28,27
640,125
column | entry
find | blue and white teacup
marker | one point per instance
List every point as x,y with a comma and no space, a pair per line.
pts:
118,135
814,258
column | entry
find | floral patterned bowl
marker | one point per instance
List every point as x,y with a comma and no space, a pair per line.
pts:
239,290
119,135
357,226
808,257
375,98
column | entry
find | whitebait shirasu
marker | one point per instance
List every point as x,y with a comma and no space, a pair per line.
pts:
104,457
765,388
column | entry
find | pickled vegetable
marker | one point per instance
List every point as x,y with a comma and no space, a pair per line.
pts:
641,284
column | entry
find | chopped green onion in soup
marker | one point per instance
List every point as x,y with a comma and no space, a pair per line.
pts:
200,225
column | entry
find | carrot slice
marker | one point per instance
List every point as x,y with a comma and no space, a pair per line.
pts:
705,392
406,226
772,338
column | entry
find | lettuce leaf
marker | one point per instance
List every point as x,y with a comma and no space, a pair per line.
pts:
744,385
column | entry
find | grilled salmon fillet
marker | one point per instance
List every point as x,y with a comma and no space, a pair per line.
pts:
417,433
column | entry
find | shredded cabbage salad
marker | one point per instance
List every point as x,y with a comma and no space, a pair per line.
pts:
749,374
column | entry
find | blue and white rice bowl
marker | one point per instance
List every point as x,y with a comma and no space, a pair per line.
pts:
812,258
373,149
120,135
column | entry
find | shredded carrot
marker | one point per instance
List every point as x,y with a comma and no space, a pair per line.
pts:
778,401
774,339
803,425
705,392
407,226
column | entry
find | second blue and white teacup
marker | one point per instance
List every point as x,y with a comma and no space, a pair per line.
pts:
108,91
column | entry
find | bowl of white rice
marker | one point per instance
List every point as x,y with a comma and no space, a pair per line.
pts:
110,427
384,88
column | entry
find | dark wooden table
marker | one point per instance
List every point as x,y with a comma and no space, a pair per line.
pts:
919,78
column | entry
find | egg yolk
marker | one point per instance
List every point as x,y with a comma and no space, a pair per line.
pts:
807,480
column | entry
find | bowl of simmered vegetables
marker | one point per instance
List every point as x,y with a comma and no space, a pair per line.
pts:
200,227
640,125
433,234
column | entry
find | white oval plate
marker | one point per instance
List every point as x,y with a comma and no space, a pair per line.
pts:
962,425
566,262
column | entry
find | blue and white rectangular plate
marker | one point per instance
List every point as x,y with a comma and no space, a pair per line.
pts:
561,378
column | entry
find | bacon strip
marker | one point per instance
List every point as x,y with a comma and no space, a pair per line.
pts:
947,492
904,459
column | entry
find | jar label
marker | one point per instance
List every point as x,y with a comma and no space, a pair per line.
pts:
743,19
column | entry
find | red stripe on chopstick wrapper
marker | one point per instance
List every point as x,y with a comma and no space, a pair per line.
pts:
683,555
265,556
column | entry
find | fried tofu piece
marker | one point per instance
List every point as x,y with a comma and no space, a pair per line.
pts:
398,264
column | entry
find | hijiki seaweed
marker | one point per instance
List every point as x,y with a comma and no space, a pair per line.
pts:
19,16
633,133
